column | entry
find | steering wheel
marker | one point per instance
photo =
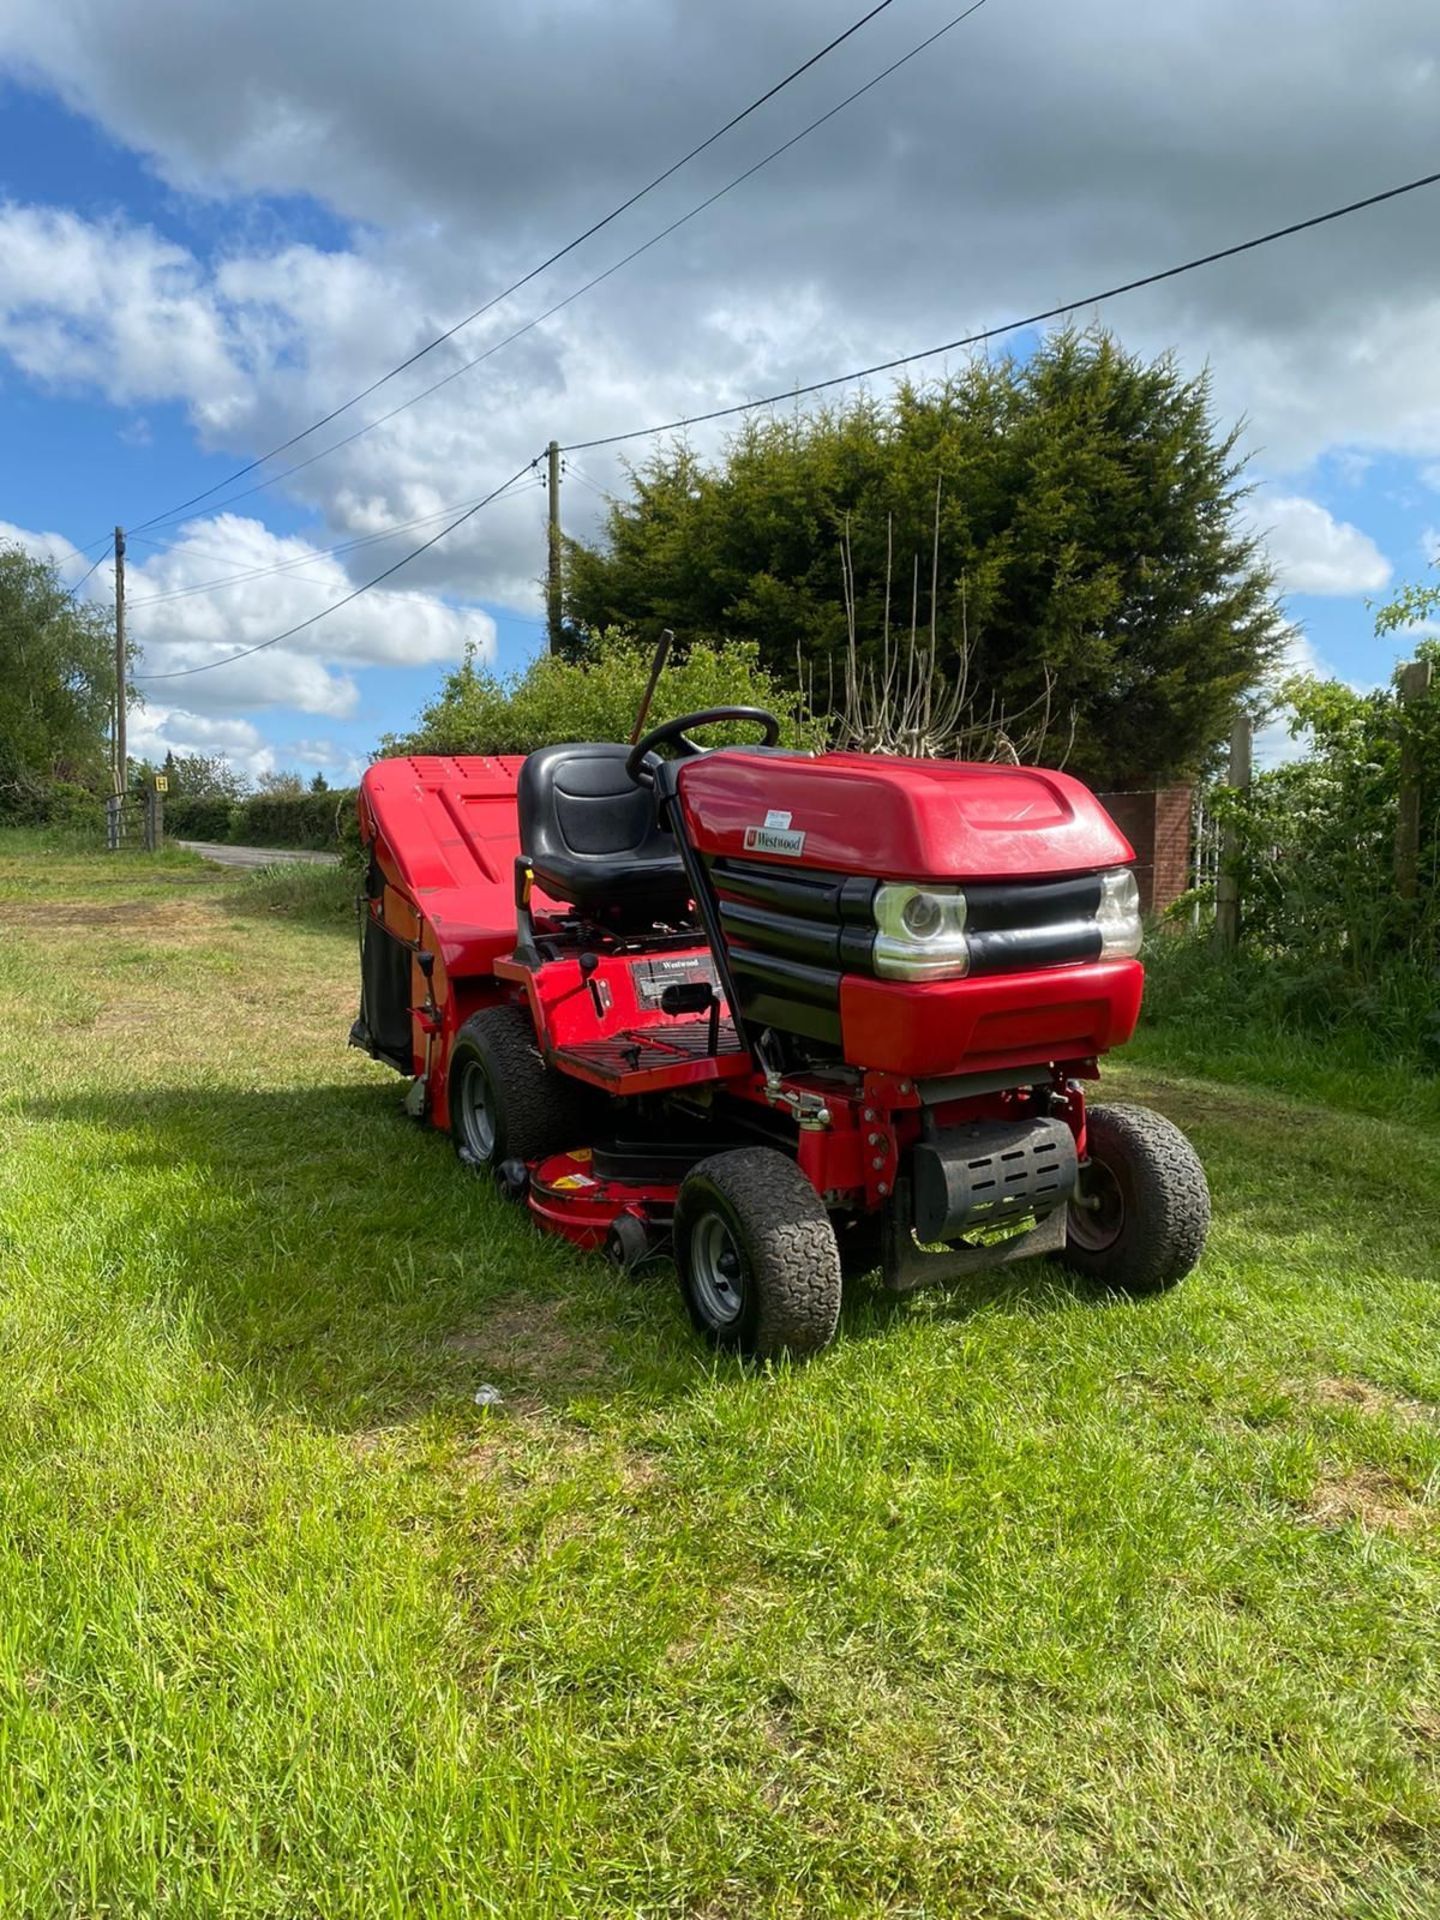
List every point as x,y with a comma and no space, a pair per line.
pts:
676,733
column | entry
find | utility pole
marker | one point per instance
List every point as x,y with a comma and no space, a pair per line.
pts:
1227,883
554,604
1414,680
121,762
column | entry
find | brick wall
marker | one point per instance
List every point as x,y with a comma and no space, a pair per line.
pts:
1157,825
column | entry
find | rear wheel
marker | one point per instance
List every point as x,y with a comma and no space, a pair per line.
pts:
758,1262
505,1103
1141,1210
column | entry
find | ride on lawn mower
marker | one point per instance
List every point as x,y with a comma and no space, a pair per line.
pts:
784,1015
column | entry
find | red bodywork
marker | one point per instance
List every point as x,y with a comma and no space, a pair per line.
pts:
443,837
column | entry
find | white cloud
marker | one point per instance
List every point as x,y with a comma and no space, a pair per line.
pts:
184,612
885,232
104,304
54,547
158,729
1430,546
1313,552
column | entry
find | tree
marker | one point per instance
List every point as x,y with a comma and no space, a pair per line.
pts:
319,784
1087,540
206,776
57,678
281,786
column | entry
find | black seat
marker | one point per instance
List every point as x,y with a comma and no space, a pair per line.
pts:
592,838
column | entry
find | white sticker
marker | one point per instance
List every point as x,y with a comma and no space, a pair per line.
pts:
772,840
777,818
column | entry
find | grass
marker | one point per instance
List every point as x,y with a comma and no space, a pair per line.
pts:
1014,1604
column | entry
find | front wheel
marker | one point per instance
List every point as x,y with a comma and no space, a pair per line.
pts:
1141,1209
758,1262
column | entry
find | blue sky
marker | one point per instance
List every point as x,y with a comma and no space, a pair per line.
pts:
214,227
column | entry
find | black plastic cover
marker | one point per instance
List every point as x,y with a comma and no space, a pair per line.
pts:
990,1172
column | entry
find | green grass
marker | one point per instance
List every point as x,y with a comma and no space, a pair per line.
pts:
1015,1603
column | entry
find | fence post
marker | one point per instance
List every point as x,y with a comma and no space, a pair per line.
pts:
1227,884
113,804
1414,683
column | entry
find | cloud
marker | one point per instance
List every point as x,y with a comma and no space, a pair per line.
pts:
1313,552
158,729
54,547
186,610
978,184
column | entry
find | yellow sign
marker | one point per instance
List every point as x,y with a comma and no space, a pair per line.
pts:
162,785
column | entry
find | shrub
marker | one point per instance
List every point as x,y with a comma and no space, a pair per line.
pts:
314,820
597,698
198,816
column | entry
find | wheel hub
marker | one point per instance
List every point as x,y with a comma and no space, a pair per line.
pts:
1097,1213
477,1117
717,1275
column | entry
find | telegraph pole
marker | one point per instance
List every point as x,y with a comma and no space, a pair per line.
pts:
554,604
121,763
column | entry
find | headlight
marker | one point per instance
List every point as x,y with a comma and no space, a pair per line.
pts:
921,932
1118,914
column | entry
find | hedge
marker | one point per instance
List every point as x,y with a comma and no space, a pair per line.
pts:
317,820
321,821
192,817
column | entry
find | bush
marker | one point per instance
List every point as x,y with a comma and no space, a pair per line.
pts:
314,820
597,698
198,816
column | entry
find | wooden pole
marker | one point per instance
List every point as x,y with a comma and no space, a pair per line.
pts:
554,601
1414,682
121,756
1227,884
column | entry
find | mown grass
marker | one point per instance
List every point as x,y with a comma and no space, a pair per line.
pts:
1015,1603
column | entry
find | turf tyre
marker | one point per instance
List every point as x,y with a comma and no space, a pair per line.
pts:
752,1209
532,1110
1150,1227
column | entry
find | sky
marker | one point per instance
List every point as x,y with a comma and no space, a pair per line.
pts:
219,223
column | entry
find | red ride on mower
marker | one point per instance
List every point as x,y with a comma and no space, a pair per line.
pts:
782,1015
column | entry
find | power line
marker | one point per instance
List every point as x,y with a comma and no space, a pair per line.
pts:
1009,326
534,272
181,673
300,560
70,592
595,280
818,386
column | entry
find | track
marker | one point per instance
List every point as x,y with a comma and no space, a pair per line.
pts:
227,856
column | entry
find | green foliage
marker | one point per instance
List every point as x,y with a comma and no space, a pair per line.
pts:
1086,529
1328,947
57,675
1317,836
205,776
322,821
314,820
597,698
287,784
197,817
1264,1010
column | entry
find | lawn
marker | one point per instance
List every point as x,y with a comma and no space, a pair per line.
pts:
1017,1602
